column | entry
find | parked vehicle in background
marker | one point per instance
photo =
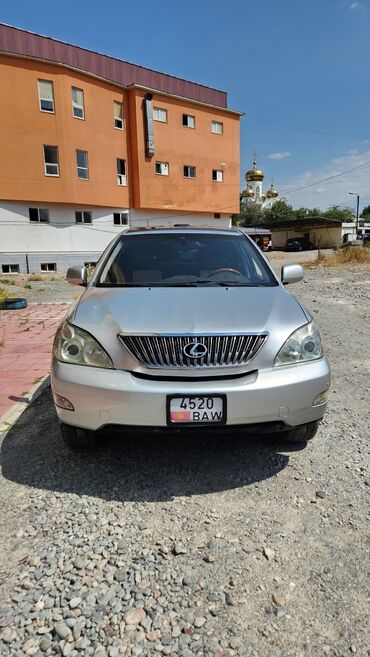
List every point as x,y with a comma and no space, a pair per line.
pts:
351,239
366,241
188,328
298,244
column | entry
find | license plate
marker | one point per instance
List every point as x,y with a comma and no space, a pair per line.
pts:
196,410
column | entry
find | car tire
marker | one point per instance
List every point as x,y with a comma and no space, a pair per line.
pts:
77,438
14,304
301,434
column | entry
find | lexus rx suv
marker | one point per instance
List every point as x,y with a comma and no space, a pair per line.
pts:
184,328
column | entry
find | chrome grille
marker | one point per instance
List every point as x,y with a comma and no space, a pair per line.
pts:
168,350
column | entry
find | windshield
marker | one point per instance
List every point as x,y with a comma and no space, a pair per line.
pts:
185,259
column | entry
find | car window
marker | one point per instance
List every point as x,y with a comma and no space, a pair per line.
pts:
177,259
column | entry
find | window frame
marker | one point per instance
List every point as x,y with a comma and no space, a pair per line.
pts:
84,218
10,265
190,166
217,132
51,164
186,125
45,266
121,177
217,171
38,220
46,111
78,150
119,215
77,105
160,109
117,102
160,163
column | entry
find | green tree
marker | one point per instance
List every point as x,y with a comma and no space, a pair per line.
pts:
366,211
307,212
278,212
336,212
250,215
301,213
314,212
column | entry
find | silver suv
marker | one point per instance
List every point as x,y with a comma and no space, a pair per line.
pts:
188,328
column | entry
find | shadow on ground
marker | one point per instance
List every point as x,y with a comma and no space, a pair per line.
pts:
138,468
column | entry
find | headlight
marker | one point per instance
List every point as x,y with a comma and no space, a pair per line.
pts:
303,345
74,345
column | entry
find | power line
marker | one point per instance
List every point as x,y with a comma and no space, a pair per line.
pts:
317,182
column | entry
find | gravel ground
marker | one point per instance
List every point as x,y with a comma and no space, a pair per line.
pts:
209,546
51,289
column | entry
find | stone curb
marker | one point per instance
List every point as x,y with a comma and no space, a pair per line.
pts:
8,420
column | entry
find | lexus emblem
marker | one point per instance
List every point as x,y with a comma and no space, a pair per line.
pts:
195,350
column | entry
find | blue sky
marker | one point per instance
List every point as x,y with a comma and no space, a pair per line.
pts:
296,68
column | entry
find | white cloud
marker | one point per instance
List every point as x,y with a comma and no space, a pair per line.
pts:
279,156
355,5
353,151
324,192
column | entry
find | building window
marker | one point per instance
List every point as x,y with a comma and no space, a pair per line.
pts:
188,121
51,161
121,172
217,127
82,165
10,269
118,115
83,217
217,175
39,215
162,168
160,114
48,266
120,218
78,108
46,95
189,172
216,215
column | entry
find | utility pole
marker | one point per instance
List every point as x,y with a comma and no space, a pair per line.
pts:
357,209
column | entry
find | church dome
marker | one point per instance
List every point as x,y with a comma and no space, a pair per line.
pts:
272,192
254,174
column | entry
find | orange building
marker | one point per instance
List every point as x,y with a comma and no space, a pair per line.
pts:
90,143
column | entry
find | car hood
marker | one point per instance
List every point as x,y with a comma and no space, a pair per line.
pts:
107,312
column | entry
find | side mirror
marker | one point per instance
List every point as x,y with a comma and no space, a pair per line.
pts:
291,274
77,276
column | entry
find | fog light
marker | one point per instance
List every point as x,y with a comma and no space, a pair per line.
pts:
321,398
62,402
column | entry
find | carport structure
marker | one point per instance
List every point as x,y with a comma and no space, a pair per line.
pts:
323,232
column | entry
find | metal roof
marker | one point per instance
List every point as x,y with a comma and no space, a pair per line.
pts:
305,222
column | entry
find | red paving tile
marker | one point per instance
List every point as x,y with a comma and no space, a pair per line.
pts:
27,337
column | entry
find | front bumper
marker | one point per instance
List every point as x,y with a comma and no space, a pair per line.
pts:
102,397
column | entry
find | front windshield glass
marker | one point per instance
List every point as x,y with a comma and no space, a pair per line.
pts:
185,259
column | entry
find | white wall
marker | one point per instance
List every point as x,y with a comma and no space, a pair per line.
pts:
18,233
62,234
